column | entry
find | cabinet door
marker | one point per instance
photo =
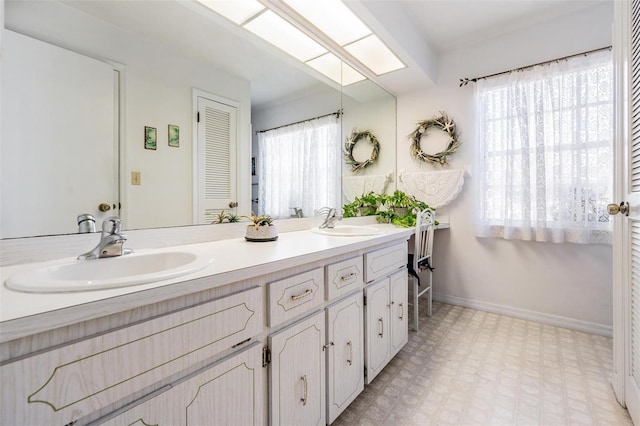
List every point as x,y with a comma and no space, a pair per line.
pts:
398,313
228,393
377,328
297,380
345,354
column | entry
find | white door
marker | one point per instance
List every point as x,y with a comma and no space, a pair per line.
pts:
626,254
345,355
297,379
215,161
399,290
55,102
377,330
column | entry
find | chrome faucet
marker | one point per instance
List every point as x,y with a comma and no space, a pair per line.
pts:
330,219
111,241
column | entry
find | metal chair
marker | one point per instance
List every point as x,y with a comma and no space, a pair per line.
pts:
420,260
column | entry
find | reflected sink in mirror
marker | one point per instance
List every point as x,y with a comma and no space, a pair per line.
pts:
347,231
114,272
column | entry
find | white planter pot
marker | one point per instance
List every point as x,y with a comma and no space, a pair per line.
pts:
263,233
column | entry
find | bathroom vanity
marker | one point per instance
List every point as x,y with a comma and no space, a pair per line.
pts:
284,332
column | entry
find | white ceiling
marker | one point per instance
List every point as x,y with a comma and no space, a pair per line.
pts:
451,24
419,30
423,30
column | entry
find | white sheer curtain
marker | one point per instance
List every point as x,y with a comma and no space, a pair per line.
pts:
299,166
545,152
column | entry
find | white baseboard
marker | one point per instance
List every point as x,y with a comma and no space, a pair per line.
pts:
555,320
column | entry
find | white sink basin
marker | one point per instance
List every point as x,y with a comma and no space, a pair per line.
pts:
347,231
121,271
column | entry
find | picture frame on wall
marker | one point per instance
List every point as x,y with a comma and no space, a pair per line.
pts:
174,135
150,138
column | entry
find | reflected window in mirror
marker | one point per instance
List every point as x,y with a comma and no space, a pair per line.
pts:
299,167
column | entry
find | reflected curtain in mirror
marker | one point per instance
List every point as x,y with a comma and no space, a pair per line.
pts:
299,167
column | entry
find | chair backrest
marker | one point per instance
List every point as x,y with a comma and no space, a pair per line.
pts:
425,222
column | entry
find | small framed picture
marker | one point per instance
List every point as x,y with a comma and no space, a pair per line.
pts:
150,138
174,135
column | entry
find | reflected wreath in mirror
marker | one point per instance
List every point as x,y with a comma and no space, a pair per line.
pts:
441,122
351,142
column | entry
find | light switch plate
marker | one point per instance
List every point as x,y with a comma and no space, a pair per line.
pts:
135,178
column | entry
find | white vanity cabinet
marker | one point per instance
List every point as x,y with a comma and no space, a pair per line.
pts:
386,325
345,354
280,343
62,385
297,376
386,298
228,393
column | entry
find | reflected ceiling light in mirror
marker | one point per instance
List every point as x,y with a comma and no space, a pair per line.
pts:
331,66
285,36
374,54
339,23
238,11
333,18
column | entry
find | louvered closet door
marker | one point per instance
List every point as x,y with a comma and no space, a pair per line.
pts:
216,160
627,228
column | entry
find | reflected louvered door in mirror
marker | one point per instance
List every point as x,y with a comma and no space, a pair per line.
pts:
216,159
626,257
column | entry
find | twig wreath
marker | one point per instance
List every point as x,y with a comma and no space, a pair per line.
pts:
442,122
355,137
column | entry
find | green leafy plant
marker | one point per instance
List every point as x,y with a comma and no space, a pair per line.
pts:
233,218
357,206
401,209
262,220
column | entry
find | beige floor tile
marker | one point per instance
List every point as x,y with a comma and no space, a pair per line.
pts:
467,367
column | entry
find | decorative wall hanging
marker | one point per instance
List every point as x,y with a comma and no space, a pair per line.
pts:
174,135
150,137
437,188
356,186
351,142
442,122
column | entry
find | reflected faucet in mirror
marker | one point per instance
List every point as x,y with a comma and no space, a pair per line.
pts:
330,219
111,241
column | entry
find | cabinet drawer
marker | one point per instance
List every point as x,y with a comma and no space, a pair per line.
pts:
295,295
226,393
385,261
343,277
62,385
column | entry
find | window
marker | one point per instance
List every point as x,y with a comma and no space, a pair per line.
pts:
299,167
545,163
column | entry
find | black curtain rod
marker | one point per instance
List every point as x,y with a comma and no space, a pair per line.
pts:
465,81
338,113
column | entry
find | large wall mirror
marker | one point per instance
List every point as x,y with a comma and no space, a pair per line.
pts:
154,61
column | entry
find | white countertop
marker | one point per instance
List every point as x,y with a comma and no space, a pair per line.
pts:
234,260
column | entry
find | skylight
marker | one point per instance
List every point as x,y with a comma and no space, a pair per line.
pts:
330,17
285,36
238,11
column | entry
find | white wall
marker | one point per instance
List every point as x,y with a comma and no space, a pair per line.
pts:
157,92
566,284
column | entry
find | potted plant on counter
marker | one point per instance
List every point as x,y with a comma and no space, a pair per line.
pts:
261,228
366,205
400,209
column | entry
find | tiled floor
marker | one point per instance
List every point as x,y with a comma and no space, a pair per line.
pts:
467,367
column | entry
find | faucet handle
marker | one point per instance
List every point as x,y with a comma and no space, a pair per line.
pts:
112,225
